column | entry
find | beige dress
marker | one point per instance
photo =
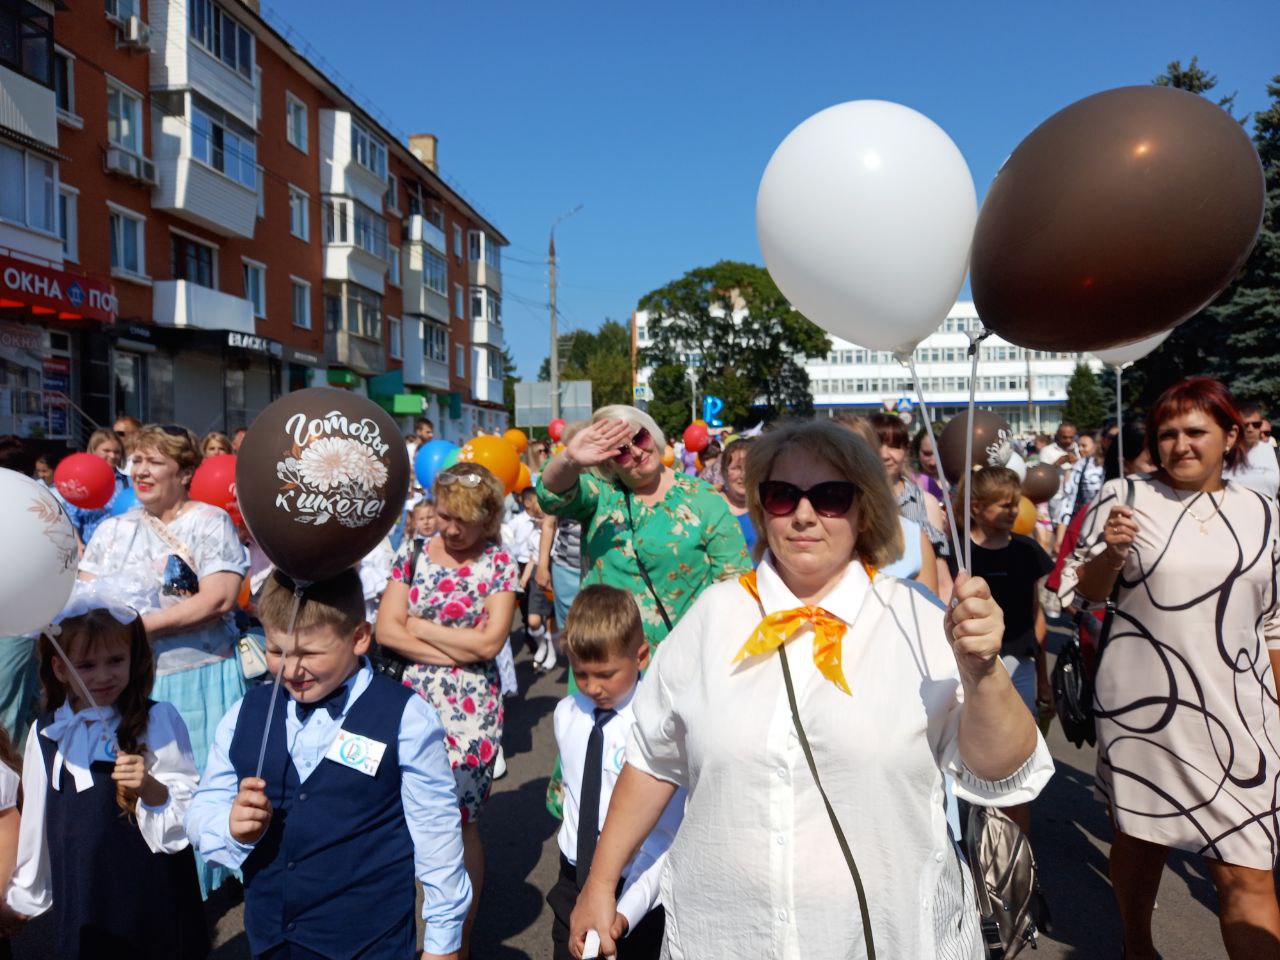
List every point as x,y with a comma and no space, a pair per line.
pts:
1188,723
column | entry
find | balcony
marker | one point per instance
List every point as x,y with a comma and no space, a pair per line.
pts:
194,191
177,62
346,261
345,349
28,108
487,389
486,333
437,374
422,230
418,297
414,364
482,274
340,172
181,303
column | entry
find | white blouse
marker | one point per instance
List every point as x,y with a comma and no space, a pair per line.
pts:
756,860
9,783
126,550
85,738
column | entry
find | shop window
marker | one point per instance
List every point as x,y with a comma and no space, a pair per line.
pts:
129,384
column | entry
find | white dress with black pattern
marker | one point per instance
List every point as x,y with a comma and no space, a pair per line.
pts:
1188,722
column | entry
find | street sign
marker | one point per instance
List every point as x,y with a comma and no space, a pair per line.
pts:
643,393
533,402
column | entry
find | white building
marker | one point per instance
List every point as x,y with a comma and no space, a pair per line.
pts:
1027,387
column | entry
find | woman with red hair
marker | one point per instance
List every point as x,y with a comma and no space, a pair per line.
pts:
1185,696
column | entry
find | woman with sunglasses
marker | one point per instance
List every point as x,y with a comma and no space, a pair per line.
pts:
661,536
448,609
891,692
184,556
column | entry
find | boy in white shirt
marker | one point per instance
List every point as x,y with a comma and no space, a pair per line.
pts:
605,643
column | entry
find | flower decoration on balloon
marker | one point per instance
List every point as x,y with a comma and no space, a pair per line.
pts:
334,477
56,529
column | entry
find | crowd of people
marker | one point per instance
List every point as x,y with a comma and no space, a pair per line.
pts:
785,675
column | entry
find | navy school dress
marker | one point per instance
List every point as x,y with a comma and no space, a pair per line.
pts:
333,876
112,897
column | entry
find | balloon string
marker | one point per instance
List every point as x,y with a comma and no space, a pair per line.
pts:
975,338
275,690
948,507
1119,422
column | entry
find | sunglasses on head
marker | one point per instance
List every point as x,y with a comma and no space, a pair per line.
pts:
831,499
469,479
641,441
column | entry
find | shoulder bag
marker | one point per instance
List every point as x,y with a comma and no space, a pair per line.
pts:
1073,675
388,662
1011,908
644,574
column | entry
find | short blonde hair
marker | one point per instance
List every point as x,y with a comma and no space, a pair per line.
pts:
482,503
337,602
214,437
176,443
638,419
603,622
101,436
879,541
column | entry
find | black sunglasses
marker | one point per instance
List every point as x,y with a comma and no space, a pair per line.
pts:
173,430
831,499
1256,424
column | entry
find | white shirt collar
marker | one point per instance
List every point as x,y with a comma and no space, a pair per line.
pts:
845,600
79,735
588,706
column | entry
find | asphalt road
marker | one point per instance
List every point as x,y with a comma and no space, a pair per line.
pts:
1070,837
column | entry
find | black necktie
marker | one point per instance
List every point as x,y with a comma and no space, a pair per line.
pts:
332,703
589,807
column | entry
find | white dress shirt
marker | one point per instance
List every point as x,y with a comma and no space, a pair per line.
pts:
84,738
756,861
9,784
574,721
1260,470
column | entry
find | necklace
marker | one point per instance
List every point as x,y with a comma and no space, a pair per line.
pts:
1203,521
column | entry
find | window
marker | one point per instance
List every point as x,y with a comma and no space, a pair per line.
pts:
485,305
414,192
193,261
124,117
262,194
364,312
27,189
459,361
397,342
436,344
299,217
69,223
295,121
301,303
393,266
459,305
368,150
223,143
477,303
337,222
126,243
474,244
492,254
435,273
64,83
222,36
255,287
26,40
457,240
128,381
122,10
370,231
392,197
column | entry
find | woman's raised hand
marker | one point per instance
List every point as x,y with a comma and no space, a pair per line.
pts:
598,443
975,627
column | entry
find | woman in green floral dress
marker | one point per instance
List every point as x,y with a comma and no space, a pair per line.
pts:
634,511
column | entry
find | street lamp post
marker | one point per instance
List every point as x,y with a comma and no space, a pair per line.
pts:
555,337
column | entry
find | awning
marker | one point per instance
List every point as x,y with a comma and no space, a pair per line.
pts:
55,294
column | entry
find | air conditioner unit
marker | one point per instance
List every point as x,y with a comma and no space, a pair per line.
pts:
147,171
135,34
122,162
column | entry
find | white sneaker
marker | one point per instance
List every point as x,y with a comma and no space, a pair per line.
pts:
549,660
500,765
540,652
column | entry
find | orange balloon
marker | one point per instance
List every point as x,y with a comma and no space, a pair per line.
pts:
525,480
558,448
245,594
495,455
518,439
1026,522
669,456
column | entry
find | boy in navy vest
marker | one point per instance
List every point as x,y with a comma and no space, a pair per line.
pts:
356,795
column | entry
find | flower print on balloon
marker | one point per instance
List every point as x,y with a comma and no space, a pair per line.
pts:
336,478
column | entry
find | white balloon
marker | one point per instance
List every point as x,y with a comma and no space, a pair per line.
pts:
1128,353
38,566
1017,465
865,216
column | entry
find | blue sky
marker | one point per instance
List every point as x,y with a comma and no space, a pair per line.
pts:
659,116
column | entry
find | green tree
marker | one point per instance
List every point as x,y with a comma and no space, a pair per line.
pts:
672,395
1086,405
603,357
731,324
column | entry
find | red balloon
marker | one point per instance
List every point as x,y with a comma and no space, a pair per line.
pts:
696,437
215,482
555,428
85,480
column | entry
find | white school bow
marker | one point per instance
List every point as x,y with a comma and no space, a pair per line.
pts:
77,736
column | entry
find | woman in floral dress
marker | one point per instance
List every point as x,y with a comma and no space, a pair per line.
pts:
450,615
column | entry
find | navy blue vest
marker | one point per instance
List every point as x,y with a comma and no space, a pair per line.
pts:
334,871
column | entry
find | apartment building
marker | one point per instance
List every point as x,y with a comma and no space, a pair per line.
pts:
231,224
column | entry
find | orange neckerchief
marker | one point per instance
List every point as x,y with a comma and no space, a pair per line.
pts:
777,628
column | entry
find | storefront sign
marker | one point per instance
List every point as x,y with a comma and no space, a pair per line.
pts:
55,293
253,342
304,357
57,375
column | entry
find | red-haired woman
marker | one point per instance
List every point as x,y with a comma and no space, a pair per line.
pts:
1188,726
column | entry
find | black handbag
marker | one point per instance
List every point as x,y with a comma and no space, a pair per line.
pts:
1073,677
388,662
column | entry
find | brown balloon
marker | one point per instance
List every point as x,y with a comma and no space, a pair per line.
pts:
992,446
321,478
1120,216
1042,482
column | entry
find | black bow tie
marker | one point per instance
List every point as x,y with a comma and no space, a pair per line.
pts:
333,702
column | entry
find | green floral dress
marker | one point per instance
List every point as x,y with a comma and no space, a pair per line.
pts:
687,542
